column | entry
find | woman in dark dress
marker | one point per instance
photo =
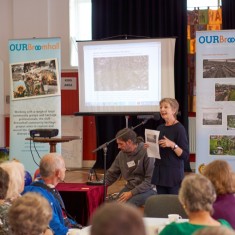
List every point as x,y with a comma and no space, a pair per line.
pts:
174,150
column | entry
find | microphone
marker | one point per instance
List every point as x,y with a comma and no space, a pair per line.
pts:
145,121
155,117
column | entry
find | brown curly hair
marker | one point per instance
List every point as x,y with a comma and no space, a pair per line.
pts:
220,174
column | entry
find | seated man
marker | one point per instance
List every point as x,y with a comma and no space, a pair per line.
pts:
52,171
133,163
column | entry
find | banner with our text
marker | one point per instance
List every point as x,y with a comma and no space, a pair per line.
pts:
215,80
35,70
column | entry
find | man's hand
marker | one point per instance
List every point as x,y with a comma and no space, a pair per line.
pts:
124,196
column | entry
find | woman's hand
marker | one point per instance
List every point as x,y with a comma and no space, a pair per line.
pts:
146,145
165,142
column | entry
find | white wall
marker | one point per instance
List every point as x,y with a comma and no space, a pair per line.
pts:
5,33
27,19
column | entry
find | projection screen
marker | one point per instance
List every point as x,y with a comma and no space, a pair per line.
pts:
125,76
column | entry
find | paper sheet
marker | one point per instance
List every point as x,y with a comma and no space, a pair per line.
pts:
151,138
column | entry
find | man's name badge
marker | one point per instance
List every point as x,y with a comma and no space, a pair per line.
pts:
130,164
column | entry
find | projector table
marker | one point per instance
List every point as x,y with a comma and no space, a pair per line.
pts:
53,141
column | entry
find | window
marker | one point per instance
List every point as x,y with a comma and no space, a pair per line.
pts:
80,21
213,4
80,26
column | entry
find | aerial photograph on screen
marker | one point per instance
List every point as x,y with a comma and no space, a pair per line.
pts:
35,78
134,70
219,68
224,92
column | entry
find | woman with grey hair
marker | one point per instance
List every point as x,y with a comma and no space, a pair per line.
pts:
16,172
4,204
30,215
12,184
197,195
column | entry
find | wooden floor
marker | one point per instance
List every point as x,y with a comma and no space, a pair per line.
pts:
81,176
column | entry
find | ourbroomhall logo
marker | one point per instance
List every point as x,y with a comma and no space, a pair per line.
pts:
215,39
31,47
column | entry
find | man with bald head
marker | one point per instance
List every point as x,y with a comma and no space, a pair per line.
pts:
52,171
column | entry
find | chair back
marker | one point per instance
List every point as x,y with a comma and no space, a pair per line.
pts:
161,205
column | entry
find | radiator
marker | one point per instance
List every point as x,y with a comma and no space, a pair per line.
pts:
192,134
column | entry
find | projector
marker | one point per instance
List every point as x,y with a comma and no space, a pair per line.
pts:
46,133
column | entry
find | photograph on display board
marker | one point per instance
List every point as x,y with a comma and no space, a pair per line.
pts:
222,145
224,92
35,78
230,122
212,118
219,68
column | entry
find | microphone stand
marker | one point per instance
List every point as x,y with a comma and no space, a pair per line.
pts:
105,149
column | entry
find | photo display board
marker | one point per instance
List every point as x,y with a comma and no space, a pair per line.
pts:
215,81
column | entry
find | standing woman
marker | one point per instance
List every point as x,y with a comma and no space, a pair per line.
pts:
174,150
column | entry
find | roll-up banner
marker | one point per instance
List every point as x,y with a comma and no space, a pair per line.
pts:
35,71
215,81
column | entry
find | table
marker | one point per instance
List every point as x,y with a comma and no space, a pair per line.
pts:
155,225
151,224
81,200
53,141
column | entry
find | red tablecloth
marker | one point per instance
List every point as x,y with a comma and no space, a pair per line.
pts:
81,199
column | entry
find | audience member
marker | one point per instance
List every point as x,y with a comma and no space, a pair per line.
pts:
52,171
197,196
215,231
30,215
16,173
4,205
12,184
134,165
117,219
220,174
